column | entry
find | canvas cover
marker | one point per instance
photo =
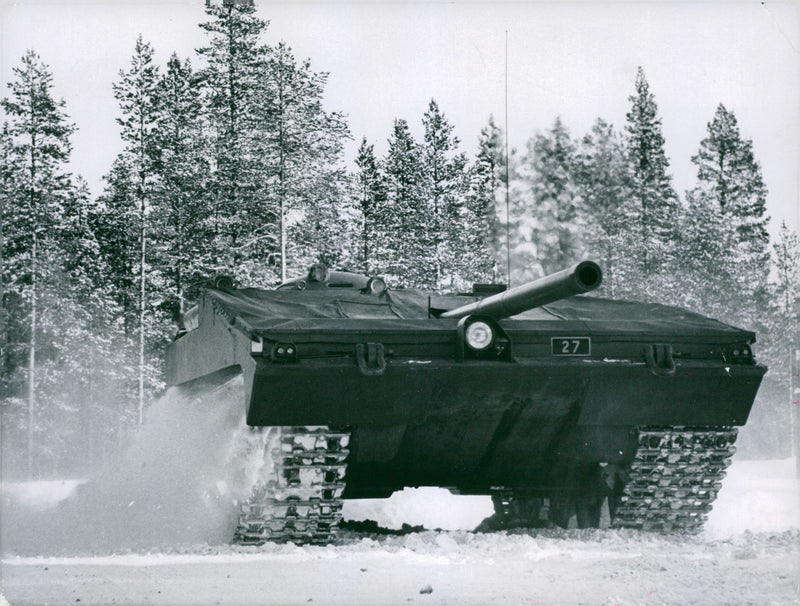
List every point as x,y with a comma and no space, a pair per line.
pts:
262,310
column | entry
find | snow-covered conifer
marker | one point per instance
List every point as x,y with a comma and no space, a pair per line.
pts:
610,218
370,194
301,145
652,189
405,252
730,178
445,191
486,195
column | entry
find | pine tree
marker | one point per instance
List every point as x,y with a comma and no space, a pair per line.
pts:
778,341
327,231
114,222
786,253
180,193
704,270
603,178
525,259
235,60
137,95
730,179
39,132
549,208
652,189
11,167
81,368
781,339
404,251
370,194
302,145
69,341
483,231
446,184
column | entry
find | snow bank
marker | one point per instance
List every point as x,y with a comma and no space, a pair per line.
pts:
428,507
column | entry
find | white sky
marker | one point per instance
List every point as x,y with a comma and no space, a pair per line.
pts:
571,59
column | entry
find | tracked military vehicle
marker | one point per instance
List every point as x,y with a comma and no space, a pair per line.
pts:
552,402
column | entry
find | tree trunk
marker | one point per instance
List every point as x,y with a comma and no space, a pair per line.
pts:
3,320
32,343
32,357
141,314
365,233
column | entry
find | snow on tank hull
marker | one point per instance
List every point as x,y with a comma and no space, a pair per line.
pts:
570,401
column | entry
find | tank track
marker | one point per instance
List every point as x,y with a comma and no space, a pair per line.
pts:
674,478
297,497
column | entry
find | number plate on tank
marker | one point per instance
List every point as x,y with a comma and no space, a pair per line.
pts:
571,346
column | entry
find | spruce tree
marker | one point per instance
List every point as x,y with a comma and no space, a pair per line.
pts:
327,231
558,201
51,265
84,353
652,189
115,223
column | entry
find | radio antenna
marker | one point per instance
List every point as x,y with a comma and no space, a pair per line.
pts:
508,214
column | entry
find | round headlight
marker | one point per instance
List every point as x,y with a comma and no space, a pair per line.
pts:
479,335
376,286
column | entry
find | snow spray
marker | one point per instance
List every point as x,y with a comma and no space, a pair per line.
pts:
179,482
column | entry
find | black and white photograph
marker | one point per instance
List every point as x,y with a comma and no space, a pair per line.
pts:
395,302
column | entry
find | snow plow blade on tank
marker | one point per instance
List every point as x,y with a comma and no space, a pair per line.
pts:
551,402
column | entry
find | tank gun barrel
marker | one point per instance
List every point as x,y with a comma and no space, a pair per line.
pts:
581,278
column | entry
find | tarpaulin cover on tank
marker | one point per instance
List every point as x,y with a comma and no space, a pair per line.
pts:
261,310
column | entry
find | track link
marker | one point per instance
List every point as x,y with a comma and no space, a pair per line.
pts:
674,478
297,497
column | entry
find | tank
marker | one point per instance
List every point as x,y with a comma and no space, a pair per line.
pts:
567,409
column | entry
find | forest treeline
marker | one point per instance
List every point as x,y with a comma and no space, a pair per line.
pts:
233,165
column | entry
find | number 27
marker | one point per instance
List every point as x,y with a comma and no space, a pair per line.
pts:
566,343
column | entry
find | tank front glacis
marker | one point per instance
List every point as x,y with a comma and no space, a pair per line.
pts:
559,405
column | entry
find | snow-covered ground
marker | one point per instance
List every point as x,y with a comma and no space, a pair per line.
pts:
749,553
454,567
153,528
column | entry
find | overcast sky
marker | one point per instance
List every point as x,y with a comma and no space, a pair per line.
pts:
386,60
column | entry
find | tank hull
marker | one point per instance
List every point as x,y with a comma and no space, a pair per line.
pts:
532,424
563,398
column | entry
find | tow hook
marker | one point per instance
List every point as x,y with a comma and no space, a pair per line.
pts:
370,358
659,359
